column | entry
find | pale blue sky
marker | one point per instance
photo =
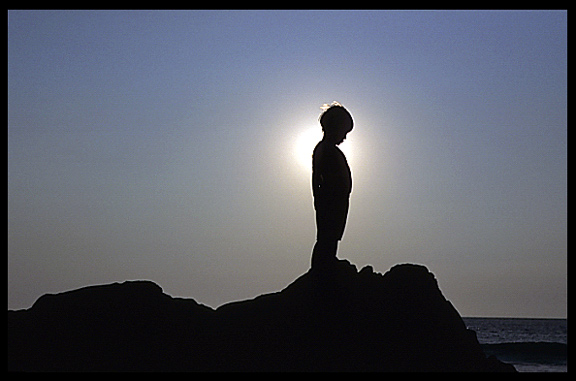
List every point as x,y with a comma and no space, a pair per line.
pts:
163,145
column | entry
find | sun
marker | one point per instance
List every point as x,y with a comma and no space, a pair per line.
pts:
305,142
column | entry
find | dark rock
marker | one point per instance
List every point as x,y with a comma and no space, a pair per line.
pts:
337,320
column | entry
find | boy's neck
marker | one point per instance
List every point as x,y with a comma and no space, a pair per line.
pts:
330,140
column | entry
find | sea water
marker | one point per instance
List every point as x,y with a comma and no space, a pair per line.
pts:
531,345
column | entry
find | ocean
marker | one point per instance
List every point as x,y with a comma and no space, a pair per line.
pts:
531,345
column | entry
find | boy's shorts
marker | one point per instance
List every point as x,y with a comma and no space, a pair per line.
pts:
331,214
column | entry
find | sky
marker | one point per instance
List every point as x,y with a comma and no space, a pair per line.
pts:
175,146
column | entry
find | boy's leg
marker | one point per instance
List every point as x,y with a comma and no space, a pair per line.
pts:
330,222
324,253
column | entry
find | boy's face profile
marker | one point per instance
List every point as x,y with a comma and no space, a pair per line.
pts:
337,135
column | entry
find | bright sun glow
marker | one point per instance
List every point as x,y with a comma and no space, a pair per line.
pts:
307,139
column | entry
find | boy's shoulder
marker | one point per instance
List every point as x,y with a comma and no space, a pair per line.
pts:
327,151
323,148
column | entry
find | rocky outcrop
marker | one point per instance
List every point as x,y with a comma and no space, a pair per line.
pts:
338,320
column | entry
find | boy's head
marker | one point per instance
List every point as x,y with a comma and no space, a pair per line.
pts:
336,118
336,122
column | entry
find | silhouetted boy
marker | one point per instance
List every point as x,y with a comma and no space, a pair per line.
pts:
331,185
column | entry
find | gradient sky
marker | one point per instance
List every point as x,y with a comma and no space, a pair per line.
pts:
173,146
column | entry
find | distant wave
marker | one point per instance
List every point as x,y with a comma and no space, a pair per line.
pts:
534,352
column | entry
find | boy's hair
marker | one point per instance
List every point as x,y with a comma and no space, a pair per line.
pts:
333,115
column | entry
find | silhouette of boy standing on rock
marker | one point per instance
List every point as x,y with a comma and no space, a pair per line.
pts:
331,185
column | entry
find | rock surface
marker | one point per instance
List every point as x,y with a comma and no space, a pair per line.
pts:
339,320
